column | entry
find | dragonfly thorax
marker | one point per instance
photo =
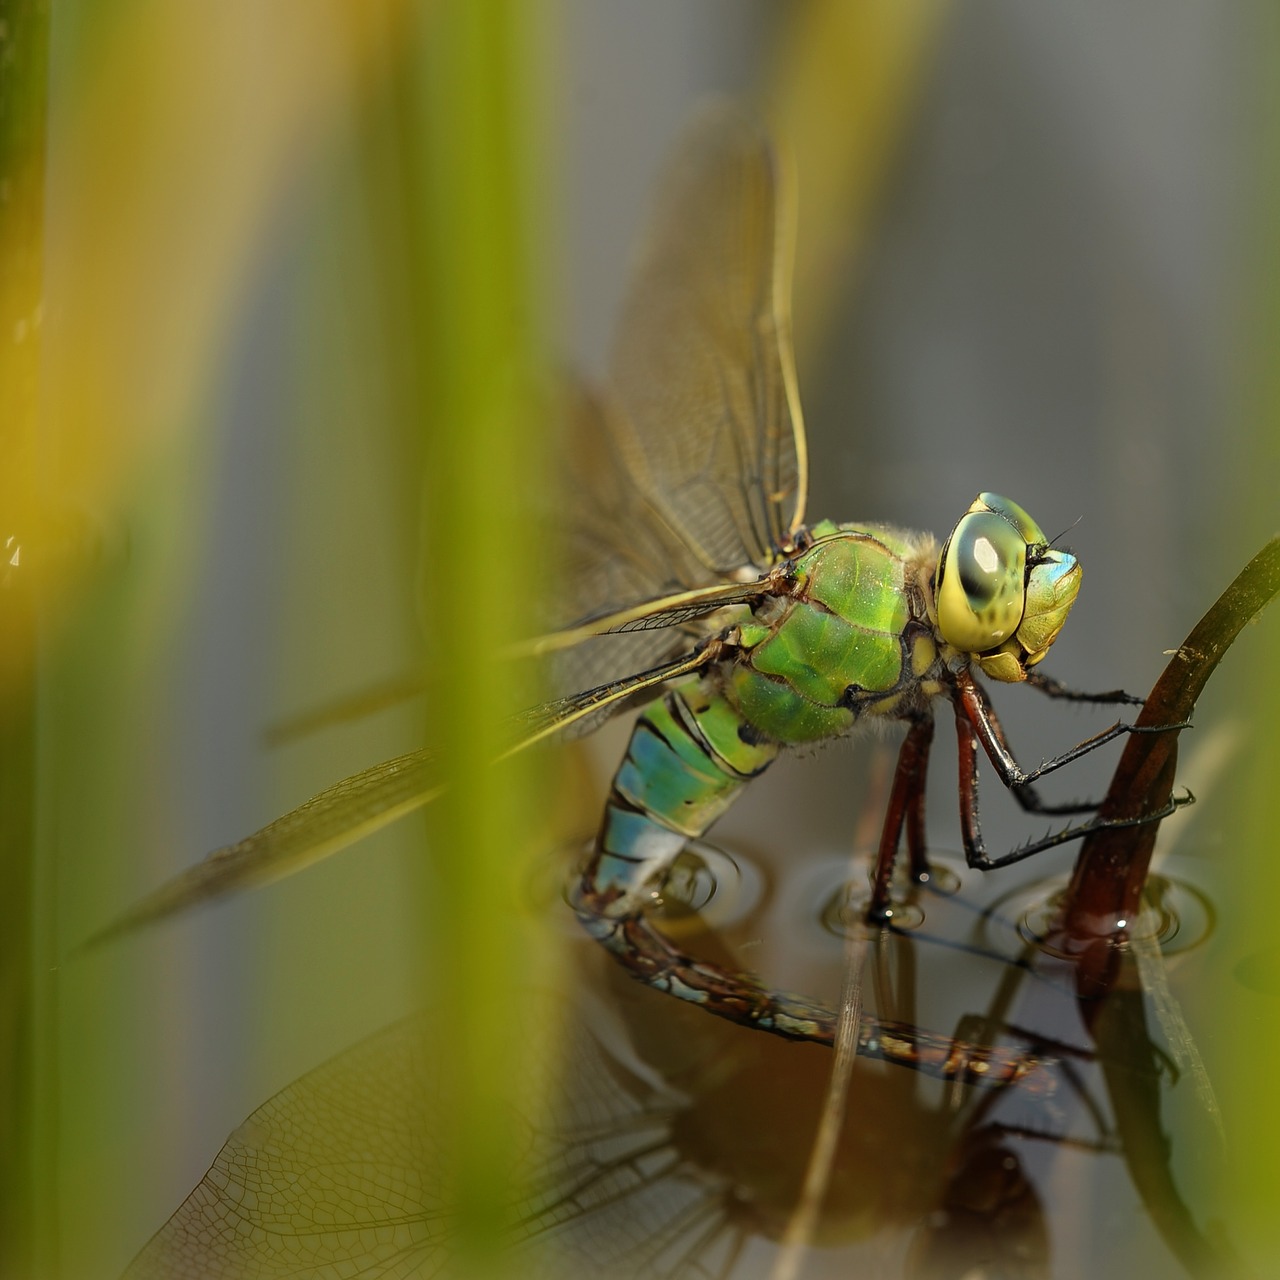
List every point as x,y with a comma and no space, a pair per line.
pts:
849,637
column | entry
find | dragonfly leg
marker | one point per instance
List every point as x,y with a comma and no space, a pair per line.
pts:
1052,688
975,850
1026,795
973,705
906,805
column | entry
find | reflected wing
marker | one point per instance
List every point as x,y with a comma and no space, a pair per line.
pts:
340,1174
710,430
367,801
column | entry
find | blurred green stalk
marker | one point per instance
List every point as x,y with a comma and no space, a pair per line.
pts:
1250,1018
24,39
459,183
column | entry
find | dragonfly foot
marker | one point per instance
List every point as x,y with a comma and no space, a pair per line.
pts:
1158,728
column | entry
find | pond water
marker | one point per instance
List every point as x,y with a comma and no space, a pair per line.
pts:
676,1144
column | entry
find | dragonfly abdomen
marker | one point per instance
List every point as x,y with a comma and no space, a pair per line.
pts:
689,756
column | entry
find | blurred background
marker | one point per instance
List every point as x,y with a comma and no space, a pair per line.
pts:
1036,255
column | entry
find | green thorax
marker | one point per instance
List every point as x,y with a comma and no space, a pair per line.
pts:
850,638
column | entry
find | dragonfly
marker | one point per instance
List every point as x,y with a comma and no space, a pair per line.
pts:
740,628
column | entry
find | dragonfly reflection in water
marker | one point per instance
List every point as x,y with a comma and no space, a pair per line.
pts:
696,575
674,1145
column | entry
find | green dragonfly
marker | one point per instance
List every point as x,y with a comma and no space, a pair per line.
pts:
745,629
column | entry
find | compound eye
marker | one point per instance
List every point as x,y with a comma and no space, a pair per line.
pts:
981,582
1027,528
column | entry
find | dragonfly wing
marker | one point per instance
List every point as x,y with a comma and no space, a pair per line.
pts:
680,609
583,712
698,479
604,1179
617,550
694,472
329,821
367,801
711,431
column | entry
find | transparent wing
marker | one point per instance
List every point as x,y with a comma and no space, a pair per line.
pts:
683,498
617,550
677,610
628,582
340,1174
584,711
691,470
710,429
328,822
371,799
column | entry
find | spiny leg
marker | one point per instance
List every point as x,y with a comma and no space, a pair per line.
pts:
972,703
1052,688
982,715
906,805
1027,796
975,850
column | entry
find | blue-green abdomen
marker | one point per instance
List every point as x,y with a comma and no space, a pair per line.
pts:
689,756
837,646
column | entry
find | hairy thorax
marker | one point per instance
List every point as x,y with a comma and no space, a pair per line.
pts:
850,636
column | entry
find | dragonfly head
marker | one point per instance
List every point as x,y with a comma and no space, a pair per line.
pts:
1001,591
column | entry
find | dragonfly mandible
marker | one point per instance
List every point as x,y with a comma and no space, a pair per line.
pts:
745,629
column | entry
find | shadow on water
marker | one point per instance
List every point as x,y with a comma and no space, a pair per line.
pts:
677,1145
